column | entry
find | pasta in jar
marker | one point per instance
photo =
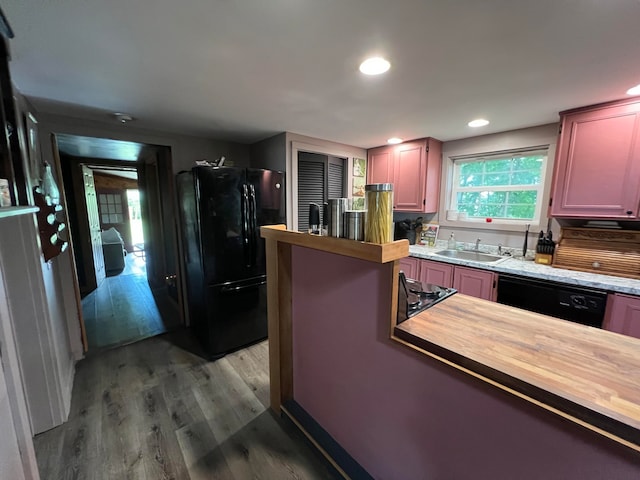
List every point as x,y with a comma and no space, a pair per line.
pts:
379,218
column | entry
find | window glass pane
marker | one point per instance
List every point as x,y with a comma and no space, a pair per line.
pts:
497,166
113,218
528,163
118,208
495,179
526,177
110,197
527,197
103,198
507,171
118,218
526,212
105,218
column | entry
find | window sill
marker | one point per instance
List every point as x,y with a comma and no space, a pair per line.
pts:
497,225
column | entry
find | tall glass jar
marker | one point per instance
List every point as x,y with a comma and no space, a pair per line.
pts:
378,227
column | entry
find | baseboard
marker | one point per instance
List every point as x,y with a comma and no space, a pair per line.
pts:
337,456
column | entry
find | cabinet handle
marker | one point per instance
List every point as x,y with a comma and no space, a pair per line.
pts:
595,264
629,212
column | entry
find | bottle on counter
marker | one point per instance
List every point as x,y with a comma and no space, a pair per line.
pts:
314,219
451,243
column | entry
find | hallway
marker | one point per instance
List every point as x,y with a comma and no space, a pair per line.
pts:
123,309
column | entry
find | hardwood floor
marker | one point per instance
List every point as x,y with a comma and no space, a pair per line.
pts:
123,309
152,410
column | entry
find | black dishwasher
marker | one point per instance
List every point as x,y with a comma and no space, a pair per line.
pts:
576,304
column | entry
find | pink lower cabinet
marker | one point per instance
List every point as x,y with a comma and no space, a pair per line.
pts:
622,314
409,266
437,273
476,283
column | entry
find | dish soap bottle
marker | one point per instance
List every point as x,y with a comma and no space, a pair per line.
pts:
451,243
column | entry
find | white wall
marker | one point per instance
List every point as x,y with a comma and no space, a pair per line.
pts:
514,139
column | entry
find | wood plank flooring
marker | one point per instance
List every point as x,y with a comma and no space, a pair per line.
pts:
123,309
153,410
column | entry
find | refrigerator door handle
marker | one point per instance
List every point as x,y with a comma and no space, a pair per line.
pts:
254,227
242,287
246,232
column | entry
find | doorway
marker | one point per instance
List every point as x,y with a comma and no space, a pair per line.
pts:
111,187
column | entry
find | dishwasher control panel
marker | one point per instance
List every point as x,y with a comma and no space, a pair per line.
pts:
581,301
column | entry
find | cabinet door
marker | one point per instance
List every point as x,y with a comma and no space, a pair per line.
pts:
380,165
622,315
598,164
437,273
476,283
409,177
409,266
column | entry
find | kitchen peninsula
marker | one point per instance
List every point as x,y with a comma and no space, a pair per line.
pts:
466,389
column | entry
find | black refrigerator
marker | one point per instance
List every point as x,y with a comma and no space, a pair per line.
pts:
221,211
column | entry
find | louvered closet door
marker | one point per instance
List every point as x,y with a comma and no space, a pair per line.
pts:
335,179
311,188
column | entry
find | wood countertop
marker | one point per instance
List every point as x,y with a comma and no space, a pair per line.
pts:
587,375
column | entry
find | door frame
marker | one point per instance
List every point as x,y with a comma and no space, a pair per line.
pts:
164,158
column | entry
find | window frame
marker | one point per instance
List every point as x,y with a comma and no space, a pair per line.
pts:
543,188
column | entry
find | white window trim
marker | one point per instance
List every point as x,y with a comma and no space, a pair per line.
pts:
447,197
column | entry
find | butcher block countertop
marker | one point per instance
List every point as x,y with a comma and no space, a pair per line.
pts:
587,375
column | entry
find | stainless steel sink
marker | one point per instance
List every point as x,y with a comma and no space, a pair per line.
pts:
471,255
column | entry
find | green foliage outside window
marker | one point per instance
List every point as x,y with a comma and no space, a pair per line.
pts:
506,188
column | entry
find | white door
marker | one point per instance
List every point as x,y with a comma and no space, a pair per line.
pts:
94,223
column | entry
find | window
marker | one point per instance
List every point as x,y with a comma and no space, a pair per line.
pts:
110,208
506,187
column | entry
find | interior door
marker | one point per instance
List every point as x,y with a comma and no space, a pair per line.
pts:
159,223
94,224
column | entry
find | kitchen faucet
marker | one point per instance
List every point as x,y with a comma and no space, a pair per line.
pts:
477,249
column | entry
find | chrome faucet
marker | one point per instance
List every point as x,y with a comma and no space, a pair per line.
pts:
477,249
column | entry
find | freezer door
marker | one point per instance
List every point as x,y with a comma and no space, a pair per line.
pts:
223,206
237,316
267,207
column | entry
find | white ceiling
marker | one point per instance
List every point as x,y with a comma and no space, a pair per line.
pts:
246,69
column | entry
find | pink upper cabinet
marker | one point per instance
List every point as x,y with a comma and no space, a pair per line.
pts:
414,169
380,165
598,163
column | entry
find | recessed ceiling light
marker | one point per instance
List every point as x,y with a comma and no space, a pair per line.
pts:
478,122
394,140
374,66
123,117
634,90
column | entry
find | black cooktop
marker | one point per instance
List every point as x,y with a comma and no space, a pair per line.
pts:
415,296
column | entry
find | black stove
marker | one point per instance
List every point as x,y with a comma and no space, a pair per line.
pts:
415,296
